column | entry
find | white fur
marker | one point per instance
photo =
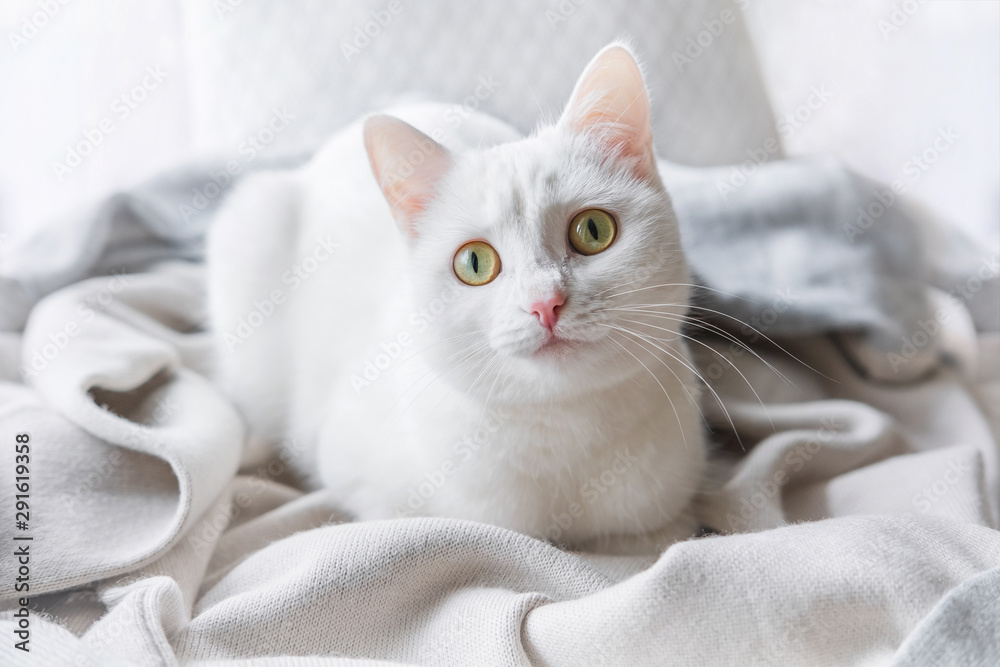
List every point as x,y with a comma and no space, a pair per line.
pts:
405,443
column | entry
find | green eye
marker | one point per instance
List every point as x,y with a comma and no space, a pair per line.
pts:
592,231
476,263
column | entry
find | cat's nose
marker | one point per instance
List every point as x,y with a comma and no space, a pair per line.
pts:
548,310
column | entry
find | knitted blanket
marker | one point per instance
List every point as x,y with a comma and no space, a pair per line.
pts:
858,526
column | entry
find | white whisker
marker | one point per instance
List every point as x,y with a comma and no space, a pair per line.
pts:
693,371
677,416
709,347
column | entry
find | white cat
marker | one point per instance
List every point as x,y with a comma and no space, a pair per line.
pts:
507,352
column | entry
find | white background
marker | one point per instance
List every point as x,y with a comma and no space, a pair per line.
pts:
890,95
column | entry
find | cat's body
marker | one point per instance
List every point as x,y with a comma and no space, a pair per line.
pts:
407,391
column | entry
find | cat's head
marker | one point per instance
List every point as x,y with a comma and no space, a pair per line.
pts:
552,246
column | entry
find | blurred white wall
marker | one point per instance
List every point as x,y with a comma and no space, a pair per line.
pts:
897,72
65,68
63,71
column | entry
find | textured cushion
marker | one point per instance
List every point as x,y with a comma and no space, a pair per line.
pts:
248,58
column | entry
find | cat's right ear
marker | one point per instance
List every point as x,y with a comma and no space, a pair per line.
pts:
407,165
610,103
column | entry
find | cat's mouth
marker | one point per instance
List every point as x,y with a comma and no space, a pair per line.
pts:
554,345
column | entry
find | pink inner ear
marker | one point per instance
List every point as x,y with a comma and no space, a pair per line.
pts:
611,104
407,165
405,205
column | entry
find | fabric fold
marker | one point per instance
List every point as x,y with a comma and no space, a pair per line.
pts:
129,446
859,514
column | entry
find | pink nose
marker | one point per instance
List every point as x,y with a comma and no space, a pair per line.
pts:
548,311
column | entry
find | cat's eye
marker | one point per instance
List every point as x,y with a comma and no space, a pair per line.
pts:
476,263
592,231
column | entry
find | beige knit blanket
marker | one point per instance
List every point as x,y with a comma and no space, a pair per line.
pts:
859,529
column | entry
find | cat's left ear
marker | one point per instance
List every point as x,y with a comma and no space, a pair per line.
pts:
407,165
610,103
